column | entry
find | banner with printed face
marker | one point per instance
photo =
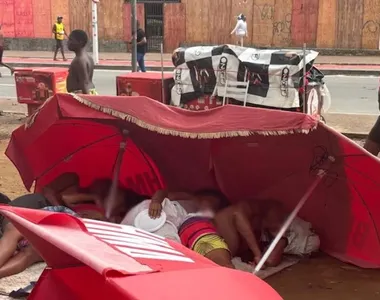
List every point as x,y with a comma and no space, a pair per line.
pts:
274,76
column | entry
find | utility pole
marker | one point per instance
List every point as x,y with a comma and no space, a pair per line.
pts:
95,41
134,35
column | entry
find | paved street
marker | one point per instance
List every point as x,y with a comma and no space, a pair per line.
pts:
350,94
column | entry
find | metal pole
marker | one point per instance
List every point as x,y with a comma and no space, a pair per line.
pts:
304,79
162,75
95,42
134,35
289,221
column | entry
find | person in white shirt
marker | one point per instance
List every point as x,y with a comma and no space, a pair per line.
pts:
240,29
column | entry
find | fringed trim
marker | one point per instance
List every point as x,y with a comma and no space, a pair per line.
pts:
32,118
183,134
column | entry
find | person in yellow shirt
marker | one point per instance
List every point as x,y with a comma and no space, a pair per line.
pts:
59,35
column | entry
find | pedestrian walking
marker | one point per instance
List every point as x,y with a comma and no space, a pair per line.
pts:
2,43
59,35
141,46
240,29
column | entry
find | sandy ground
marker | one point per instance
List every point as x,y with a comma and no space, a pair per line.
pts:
316,279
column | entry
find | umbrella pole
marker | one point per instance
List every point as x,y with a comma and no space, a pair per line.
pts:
110,201
289,220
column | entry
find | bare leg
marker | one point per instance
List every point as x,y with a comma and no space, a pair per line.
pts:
230,235
8,243
63,53
372,147
9,67
222,257
276,257
56,52
20,262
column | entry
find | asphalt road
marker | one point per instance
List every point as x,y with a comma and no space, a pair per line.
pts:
350,94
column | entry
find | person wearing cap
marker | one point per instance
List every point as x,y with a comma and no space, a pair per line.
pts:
59,35
240,29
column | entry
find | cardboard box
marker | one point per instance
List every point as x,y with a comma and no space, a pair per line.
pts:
145,84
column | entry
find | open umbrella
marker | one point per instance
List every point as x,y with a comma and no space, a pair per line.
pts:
51,143
98,260
252,153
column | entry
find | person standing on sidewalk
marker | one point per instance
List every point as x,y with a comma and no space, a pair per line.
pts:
141,47
59,35
2,42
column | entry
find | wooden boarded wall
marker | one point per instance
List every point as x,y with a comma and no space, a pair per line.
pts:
280,23
127,23
326,29
81,20
350,24
174,25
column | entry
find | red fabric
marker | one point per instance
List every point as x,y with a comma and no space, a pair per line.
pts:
103,267
30,151
344,209
193,229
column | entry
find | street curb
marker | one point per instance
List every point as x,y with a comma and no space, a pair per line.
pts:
97,67
352,72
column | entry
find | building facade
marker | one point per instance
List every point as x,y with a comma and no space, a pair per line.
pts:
344,24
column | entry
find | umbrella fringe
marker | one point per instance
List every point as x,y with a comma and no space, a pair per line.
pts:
183,134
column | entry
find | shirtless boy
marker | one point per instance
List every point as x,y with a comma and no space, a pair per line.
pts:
81,70
2,51
252,226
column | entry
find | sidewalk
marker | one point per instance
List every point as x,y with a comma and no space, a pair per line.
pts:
330,65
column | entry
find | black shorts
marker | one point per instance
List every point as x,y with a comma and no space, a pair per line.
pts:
59,44
374,134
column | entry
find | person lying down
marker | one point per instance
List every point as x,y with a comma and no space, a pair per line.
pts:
245,229
16,254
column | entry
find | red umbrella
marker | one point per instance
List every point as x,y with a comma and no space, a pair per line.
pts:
98,260
51,144
252,153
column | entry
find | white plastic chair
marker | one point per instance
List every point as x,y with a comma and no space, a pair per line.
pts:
234,89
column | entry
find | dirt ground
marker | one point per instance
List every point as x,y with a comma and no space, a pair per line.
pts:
316,279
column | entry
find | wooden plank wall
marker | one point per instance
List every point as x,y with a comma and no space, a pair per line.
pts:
7,17
110,18
304,22
281,23
127,32
350,24
326,30
174,25
263,17
42,21
371,24
81,20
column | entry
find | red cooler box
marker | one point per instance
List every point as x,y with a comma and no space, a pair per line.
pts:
145,84
34,86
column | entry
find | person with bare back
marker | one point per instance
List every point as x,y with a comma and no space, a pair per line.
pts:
81,71
2,44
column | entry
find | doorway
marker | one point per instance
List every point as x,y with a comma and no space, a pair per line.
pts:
154,25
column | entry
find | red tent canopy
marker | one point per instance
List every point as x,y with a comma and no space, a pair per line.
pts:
251,154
